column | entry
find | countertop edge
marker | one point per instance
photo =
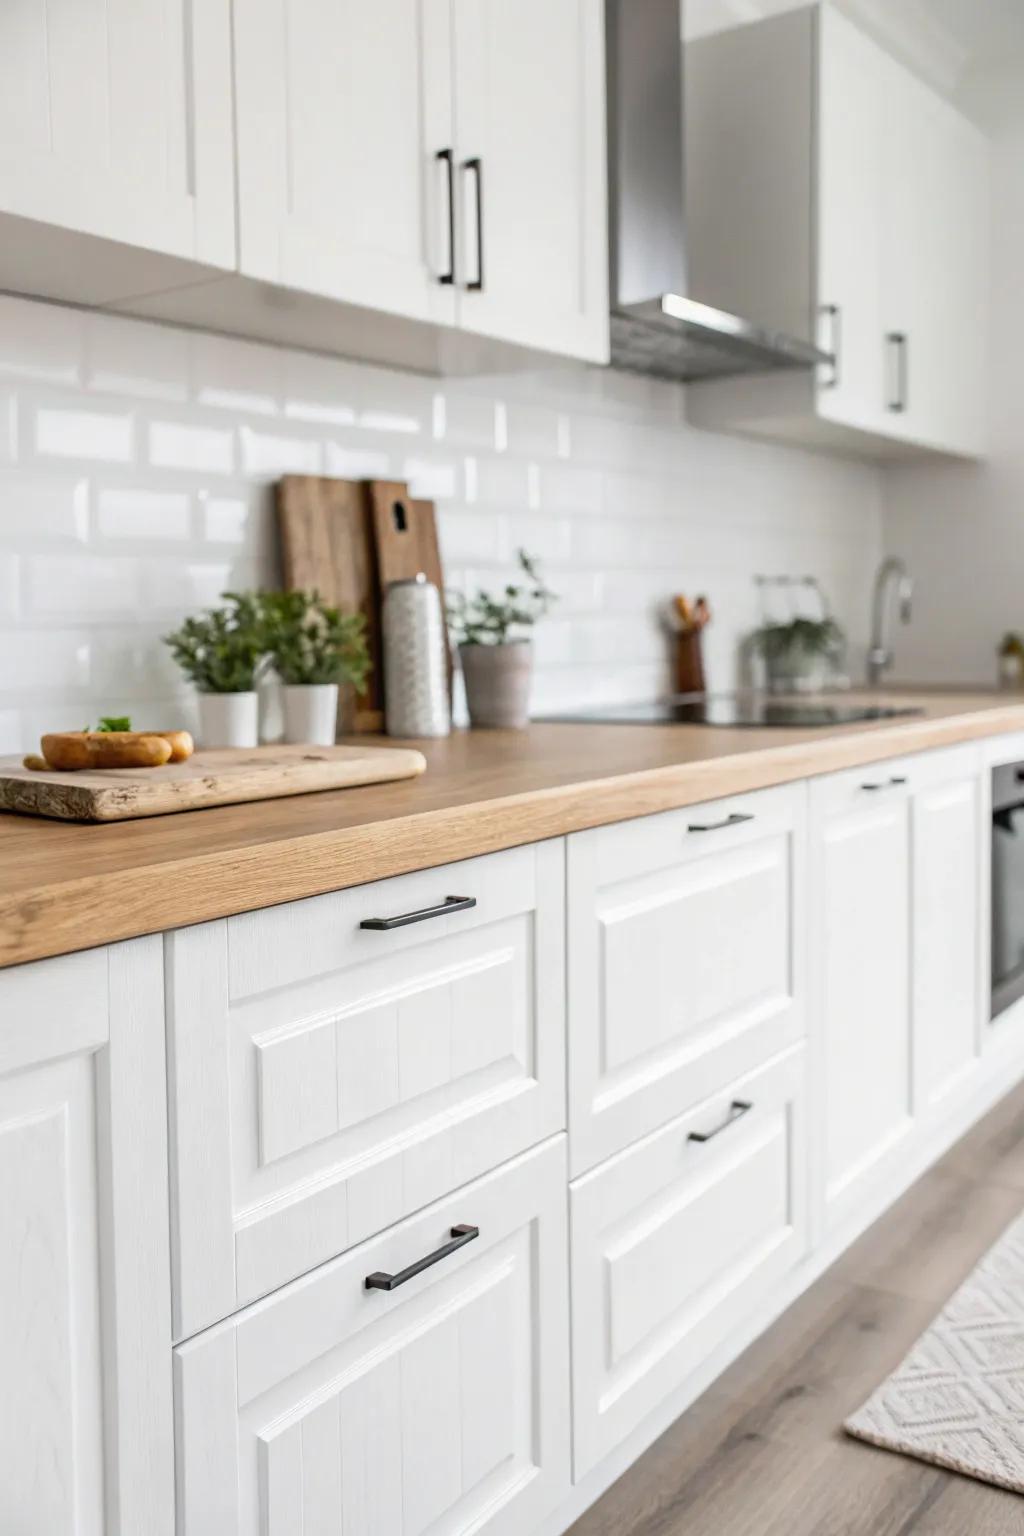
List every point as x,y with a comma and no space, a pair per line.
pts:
78,913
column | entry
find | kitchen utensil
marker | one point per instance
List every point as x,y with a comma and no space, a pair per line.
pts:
227,776
416,701
327,543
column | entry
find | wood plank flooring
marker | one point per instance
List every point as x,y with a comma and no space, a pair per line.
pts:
763,1454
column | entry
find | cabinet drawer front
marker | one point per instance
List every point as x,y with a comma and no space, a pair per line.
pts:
685,960
328,1078
441,1405
675,1241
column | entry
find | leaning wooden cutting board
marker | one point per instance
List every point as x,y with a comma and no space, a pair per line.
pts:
226,776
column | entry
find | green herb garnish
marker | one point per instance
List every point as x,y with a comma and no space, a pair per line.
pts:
115,723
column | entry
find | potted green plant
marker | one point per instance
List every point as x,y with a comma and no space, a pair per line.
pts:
800,654
221,652
313,647
496,657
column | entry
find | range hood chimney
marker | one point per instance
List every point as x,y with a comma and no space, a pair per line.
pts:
656,326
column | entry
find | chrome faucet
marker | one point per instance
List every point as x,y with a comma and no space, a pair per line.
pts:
892,573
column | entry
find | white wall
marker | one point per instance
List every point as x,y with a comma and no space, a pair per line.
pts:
135,472
961,526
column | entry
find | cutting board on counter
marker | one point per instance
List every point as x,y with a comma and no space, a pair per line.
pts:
405,540
327,544
222,776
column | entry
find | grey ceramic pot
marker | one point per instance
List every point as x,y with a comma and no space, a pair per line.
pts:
497,679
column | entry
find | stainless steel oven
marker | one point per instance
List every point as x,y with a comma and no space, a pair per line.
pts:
1007,885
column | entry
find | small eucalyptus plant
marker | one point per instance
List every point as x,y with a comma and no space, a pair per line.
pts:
311,642
222,650
486,619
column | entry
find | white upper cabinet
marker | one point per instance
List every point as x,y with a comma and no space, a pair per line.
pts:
344,113
115,121
441,160
898,266
529,104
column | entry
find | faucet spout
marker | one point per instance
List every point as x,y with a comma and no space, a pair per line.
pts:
893,577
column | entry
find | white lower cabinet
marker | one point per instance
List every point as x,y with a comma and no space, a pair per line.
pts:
334,1409
675,1242
86,1441
685,959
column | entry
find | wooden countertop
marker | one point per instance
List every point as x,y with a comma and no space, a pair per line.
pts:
65,887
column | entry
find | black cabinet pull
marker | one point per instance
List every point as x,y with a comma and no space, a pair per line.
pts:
737,1109
475,165
716,826
450,904
379,1281
446,155
873,786
899,342
834,315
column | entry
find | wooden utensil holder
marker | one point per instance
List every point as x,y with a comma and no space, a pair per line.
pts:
689,661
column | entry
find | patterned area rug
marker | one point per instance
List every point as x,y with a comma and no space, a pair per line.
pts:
957,1400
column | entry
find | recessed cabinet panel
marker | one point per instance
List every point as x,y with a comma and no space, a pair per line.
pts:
440,1405
675,1240
115,121
342,1077
685,960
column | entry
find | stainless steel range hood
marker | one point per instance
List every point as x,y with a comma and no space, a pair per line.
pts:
657,327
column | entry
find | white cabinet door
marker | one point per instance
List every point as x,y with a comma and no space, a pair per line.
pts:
85,1382
676,1241
532,174
342,111
859,903
115,120
935,263
851,155
441,1405
946,828
328,1079
685,960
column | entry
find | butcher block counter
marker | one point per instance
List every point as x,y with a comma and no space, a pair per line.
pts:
67,887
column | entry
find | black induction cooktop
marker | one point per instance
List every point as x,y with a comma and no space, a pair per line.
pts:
734,709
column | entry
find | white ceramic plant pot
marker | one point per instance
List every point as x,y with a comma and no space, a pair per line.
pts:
229,719
311,712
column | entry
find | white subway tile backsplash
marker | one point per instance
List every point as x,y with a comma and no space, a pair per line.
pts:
44,509
69,432
181,435
131,357
177,445
129,512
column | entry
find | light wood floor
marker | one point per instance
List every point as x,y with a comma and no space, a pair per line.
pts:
762,1453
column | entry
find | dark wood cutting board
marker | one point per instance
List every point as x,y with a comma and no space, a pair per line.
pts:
327,542
405,538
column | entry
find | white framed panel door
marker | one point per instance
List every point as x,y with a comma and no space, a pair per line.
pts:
441,1405
532,173
686,960
86,1437
343,109
116,121
328,1079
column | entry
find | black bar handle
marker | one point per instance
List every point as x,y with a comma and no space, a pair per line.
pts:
834,316
450,904
476,166
892,783
899,399
447,156
716,826
380,1281
737,1109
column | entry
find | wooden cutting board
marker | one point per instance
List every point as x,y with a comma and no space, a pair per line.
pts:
326,534
405,539
225,776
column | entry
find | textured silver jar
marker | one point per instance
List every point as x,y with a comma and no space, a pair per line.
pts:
415,660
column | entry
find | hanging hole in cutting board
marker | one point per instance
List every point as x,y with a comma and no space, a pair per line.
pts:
400,517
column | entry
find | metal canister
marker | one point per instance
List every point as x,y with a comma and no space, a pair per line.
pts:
416,699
